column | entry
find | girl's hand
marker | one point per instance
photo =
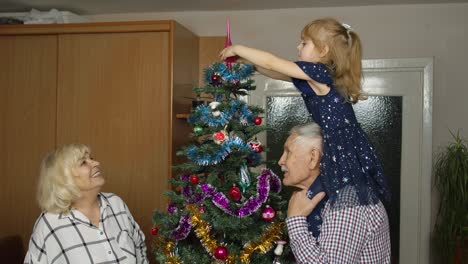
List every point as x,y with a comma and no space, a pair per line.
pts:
227,52
301,205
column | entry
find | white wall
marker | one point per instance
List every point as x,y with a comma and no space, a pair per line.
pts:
404,31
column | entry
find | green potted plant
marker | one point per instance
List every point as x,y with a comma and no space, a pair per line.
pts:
451,181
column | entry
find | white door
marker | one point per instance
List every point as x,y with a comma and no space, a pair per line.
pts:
398,118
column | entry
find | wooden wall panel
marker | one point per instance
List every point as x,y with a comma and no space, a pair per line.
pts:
185,73
114,94
28,75
209,48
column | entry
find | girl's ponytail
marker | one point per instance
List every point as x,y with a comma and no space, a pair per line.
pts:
344,56
355,65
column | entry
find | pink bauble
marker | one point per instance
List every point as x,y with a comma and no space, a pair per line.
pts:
220,253
268,213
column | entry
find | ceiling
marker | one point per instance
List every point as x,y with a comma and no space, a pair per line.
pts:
90,7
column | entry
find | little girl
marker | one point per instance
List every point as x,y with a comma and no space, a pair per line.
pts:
350,224
328,76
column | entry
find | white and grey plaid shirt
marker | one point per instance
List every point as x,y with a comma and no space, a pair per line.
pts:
354,234
72,239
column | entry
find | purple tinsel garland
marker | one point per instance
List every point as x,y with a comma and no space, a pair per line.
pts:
183,229
267,181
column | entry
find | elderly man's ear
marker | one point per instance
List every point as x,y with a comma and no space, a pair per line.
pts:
315,156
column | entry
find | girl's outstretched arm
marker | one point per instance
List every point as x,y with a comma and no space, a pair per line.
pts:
268,73
267,61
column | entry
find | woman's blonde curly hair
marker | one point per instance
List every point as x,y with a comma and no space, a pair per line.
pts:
57,189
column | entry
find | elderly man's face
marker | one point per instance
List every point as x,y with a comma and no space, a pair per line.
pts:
298,162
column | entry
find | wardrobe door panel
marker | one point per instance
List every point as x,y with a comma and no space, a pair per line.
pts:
28,76
114,95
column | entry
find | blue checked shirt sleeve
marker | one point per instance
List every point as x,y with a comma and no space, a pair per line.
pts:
342,237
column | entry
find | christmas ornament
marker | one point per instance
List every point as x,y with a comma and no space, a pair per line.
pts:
216,113
194,179
255,145
197,129
235,193
171,208
278,251
279,247
244,181
220,252
202,208
220,137
154,231
257,120
213,105
268,213
228,43
216,79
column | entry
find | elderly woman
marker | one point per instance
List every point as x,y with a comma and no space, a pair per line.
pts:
80,224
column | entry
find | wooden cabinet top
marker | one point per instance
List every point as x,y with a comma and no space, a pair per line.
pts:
99,27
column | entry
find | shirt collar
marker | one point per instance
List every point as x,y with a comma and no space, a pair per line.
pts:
76,215
315,188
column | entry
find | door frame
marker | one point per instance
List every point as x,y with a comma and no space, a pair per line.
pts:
416,215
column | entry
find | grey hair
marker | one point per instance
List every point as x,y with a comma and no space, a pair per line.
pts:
308,133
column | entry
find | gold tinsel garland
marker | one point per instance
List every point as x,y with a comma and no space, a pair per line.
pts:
202,229
267,239
168,249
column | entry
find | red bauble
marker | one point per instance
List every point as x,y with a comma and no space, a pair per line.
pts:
220,253
256,146
193,179
220,136
257,120
215,79
154,231
268,213
235,193
259,149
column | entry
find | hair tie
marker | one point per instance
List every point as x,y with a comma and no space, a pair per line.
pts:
347,27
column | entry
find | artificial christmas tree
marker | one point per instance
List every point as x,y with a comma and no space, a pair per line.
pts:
225,206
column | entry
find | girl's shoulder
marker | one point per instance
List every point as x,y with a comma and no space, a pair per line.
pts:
317,71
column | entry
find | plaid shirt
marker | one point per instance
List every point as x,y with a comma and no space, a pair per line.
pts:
350,234
72,238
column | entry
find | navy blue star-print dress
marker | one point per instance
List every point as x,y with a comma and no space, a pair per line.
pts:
349,158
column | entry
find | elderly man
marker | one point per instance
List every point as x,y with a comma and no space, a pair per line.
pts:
328,227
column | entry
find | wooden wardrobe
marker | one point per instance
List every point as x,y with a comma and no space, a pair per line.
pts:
114,86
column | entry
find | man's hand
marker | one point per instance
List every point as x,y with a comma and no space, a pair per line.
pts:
301,205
